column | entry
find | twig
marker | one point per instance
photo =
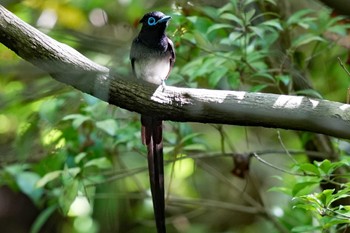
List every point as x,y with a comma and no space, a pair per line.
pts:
275,167
346,70
284,147
343,66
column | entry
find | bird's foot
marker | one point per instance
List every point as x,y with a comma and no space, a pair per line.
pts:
163,85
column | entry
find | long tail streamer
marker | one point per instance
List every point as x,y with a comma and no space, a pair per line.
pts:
151,134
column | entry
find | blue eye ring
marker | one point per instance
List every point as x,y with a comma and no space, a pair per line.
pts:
151,21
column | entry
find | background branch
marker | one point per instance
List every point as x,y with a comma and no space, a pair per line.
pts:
177,104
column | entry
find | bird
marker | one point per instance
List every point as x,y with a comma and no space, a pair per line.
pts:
152,57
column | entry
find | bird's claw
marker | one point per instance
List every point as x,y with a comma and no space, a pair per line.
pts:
163,85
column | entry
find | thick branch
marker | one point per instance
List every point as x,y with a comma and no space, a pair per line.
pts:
177,104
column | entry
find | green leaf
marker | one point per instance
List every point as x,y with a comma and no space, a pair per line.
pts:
309,202
298,16
49,109
326,166
42,219
16,168
310,93
248,2
233,80
273,23
231,39
72,117
216,76
101,163
258,31
329,221
218,27
109,126
339,29
249,15
202,40
326,197
229,7
79,157
189,137
306,229
303,185
78,119
309,168
27,183
258,88
305,39
233,18
263,74
47,178
70,191
68,174
345,193
273,2
284,190
189,37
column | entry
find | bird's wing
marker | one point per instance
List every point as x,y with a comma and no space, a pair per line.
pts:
172,53
133,55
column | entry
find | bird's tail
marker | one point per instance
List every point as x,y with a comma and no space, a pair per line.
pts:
151,134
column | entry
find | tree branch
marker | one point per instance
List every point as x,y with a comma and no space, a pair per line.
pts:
177,104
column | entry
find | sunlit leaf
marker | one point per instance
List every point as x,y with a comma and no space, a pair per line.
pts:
299,187
183,168
309,168
326,166
47,178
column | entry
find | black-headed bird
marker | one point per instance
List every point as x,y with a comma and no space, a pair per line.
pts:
152,57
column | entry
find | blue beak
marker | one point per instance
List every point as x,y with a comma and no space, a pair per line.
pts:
164,19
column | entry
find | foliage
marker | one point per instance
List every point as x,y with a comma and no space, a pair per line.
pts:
81,159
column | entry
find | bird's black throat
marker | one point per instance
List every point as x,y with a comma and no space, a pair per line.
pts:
155,39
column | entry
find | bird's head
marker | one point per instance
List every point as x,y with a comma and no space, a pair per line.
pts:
155,20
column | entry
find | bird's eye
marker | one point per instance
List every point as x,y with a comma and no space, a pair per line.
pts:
151,21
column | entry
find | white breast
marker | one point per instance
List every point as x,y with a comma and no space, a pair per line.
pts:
152,70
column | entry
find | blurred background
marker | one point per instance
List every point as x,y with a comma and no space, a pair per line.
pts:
72,163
